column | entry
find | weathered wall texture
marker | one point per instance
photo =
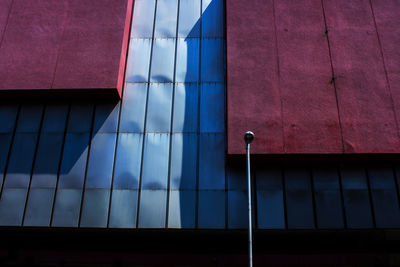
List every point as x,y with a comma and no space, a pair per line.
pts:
313,76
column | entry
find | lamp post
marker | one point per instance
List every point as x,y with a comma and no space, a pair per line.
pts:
248,138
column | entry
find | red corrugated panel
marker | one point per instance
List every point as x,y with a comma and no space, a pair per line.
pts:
286,74
365,102
61,44
253,90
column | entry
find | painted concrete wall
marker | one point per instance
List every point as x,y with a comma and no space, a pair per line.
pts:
313,76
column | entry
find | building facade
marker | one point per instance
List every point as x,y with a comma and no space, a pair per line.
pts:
153,168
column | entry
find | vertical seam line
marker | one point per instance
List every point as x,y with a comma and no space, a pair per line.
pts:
333,76
145,116
279,77
385,69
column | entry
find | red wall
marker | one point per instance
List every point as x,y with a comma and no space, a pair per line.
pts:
311,76
63,44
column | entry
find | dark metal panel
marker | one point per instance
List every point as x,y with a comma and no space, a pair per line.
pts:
270,209
21,160
166,19
74,159
328,201
55,117
182,209
128,161
237,209
212,161
211,209
356,197
212,60
183,161
152,209
123,208
186,103
5,142
212,108
299,203
39,206
155,161
106,118
133,108
162,64
101,161
29,118
143,18
384,196
137,70
187,60
159,108
237,176
213,18
8,115
80,118
12,204
67,208
189,18
95,208
47,160
270,201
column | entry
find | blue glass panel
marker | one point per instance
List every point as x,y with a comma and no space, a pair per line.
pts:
237,209
133,108
152,210
166,19
12,204
211,209
212,60
128,160
101,161
384,197
159,108
270,209
328,202
186,108
189,15
143,18
182,209
67,208
183,161
55,117
237,177
80,118
29,118
123,208
74,160
47,160
212,161
8,115
300,214
95,208
187,60
155,161
269,178
213,18
162,65
38,210
137,70
212,109
5,142
21,160
356,197
106,118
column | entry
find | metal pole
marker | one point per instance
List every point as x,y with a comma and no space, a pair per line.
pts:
248,138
